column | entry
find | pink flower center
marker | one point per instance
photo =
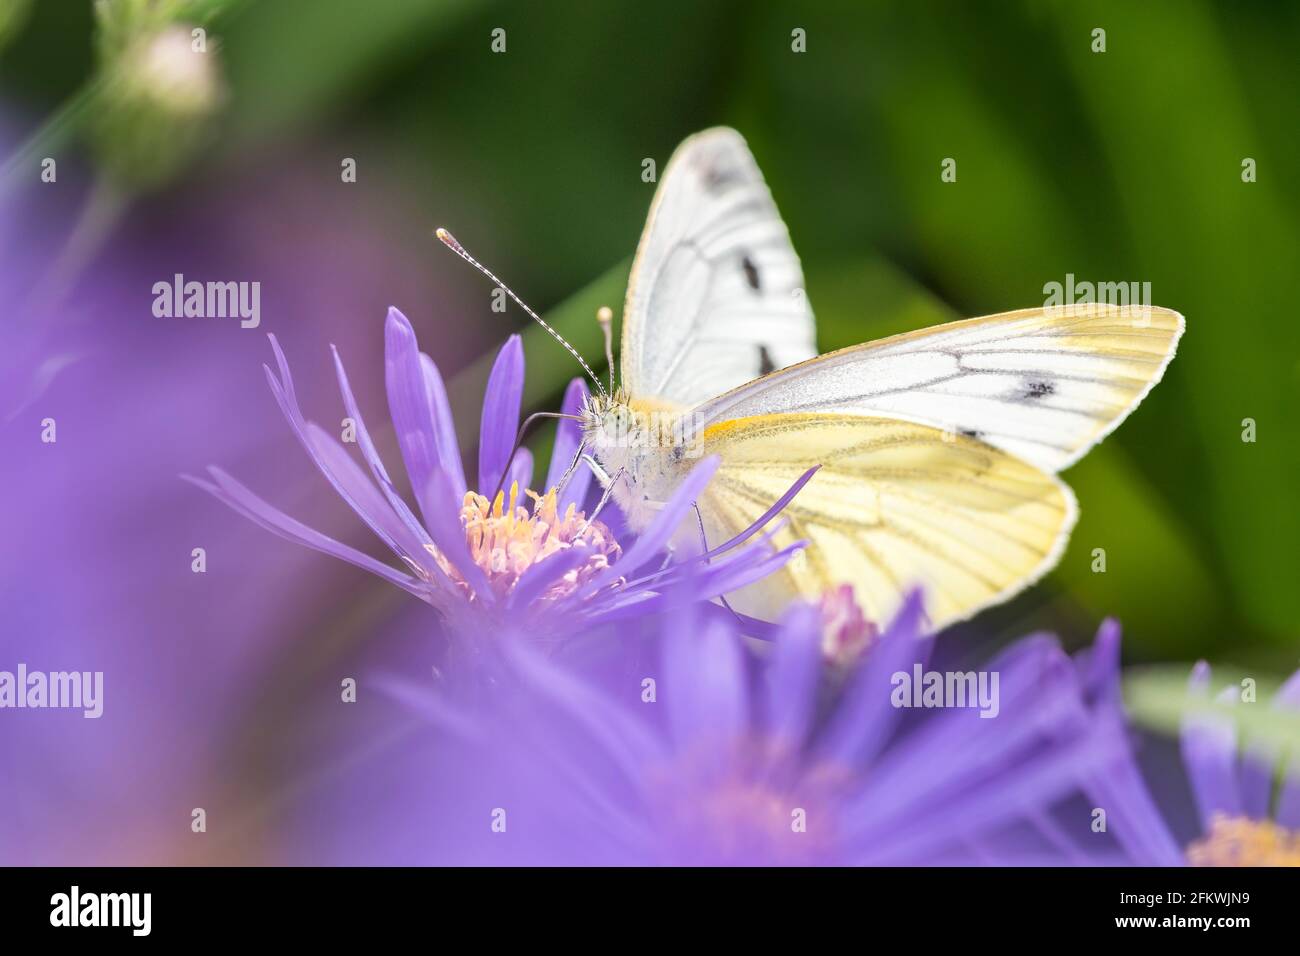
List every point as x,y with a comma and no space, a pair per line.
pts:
846,632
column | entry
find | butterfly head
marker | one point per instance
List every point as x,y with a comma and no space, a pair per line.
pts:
636,433
606,417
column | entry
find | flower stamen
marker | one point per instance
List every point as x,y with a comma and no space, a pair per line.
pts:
505,539
1238,841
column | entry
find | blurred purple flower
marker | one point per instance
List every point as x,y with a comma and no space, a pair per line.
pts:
1247,800
97,569
489,564
707,757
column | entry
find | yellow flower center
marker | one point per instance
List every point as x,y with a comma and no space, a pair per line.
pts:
505,541
1237,841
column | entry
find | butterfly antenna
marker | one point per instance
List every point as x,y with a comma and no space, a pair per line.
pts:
519,441
605,316
450,242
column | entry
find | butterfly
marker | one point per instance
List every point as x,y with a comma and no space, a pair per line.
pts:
937,451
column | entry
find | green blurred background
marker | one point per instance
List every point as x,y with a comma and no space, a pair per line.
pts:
1117,166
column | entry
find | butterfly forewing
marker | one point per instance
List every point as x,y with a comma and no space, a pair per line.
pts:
1043,384
716,296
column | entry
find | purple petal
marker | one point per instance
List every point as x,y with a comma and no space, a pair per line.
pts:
1133,816
412,415
942,763
425,700
656,537
626,606
626,740
371,455
521,472
239,498
703,686
865,719
1255,779
1209,746
449,538
756,628
364,497
1288,803
1040,703
698,563
1288,695
568,437
796,667
1099,665
768,515
692,586
533,582
444,428
505,392
737,571
335,464
1017,790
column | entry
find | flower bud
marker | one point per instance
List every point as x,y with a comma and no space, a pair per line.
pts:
160,90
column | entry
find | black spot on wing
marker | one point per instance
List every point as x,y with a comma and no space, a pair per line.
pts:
751,273
1038,388
765,363
719,175
971,432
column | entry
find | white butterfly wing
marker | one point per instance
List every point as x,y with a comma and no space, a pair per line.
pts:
716,295
1042,384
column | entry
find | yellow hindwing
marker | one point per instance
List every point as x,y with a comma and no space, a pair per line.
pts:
894,505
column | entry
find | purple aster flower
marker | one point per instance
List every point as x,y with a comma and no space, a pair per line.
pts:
497,557
710,754
1247,798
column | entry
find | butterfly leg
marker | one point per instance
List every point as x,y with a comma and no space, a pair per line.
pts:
601,474
704,545
604,498
670,554
519,441
571,470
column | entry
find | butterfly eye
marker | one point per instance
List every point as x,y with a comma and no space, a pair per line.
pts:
614,423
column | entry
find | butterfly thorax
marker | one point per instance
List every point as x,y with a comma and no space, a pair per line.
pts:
645,447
